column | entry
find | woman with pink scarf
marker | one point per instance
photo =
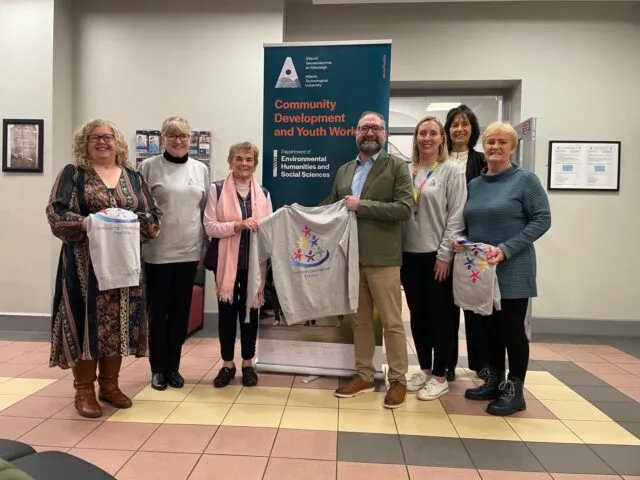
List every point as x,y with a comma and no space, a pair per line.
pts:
235,207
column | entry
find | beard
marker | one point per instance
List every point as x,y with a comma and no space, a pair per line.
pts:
370,146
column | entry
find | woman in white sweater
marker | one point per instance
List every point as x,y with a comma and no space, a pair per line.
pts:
180,186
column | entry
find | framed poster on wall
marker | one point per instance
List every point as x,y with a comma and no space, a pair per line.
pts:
582,166
22,146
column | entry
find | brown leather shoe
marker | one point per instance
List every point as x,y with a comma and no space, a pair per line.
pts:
395,395
84,376
108,381
355,387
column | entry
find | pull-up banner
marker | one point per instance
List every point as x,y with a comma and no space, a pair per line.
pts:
314,95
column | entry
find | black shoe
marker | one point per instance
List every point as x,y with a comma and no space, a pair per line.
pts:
175,379
225,375
159,381
489,390
483,373
249,377
511,400
450,374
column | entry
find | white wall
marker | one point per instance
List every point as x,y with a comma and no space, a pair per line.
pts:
579,65
139,62
26,248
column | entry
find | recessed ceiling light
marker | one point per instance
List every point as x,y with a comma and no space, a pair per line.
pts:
442,106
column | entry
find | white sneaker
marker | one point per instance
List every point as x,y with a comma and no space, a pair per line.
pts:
417,381
433,389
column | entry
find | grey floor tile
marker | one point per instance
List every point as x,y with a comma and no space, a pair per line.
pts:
632,427
569,458
620,412
369,448
602,394
435,452
622,458
502,455
558,366
580,379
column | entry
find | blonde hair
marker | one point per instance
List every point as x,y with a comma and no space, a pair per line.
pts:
443,152
243,147
176,125
81,142
501,127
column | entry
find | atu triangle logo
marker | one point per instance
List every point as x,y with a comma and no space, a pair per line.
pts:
288,76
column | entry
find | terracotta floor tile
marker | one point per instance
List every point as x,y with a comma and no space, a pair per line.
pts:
242,441
202,351
45,371
535,409
631,368
180,438
369,471
295,469
620,380
308,444
14,369
459,386
33,358
441,473
108,460
235,468
632,392
322,383
59,388
496,475
59,433
47,448
37,407
582,476
70,413
158,466
456,404
13,428
601,367
119,436
620,358
275,380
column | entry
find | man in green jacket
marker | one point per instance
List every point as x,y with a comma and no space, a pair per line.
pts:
377,186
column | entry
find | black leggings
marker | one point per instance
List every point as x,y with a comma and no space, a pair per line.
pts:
505,331
228,316
429,303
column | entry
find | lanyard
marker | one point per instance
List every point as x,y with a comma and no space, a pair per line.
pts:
418,191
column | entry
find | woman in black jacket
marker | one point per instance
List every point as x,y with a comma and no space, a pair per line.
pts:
463,132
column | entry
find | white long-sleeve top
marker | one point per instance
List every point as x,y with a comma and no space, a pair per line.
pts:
314,259
475,282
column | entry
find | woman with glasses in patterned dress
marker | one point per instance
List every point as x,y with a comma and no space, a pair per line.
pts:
180,185
92,328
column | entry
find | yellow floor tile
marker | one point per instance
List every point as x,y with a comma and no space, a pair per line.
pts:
307,397
426,424
366,421
7,400
168,395
4,379
568,410
364,401
489,428
542,378
553,392
420,406
306,418
254,416
199,413
209,394
542,430
144,411
23,386
603,433
264,396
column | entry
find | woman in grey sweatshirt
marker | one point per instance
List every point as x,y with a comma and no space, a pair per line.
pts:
180,186
439,190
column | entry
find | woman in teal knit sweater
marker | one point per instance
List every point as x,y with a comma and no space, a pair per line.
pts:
507,207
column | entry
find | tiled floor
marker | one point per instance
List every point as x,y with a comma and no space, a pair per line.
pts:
582,421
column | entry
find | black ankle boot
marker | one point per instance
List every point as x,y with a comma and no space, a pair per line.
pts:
511,400
489,390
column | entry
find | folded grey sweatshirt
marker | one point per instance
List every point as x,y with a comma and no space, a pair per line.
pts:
314,259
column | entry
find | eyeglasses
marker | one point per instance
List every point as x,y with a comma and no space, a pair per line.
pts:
182,137
373,128
108,138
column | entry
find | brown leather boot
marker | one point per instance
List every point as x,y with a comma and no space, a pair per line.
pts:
108,381
84,377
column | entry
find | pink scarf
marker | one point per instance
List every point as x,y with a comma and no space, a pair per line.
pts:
228,210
